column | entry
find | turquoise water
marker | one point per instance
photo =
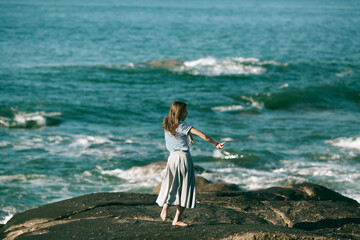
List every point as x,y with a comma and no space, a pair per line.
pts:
277,80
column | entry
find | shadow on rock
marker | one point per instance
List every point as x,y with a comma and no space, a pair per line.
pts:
326,223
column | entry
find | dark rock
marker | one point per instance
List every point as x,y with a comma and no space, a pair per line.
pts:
164,63
303,211
204,185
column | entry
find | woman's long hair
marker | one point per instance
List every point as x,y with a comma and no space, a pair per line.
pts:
176,112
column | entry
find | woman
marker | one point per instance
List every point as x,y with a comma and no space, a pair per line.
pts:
178,186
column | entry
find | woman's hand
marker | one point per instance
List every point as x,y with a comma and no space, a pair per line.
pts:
220,145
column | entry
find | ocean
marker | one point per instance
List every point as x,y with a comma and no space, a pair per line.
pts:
84,86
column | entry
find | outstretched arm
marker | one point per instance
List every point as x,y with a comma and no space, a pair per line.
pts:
191,139
207,138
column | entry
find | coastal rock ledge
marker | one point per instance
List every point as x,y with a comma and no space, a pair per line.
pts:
302,211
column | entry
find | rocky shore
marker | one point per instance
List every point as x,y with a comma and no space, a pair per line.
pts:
301,211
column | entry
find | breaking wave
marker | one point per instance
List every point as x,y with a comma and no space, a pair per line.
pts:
208,66
211,66
137,177
351,143
287,97
248,105
30,120
6,214
289,172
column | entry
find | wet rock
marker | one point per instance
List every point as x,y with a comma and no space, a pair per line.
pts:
164,63
303,211
204,185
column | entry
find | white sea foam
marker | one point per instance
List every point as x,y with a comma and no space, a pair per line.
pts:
351,143
335,175
344,74
211,66
84,141
24,120
56,139
225,155
8,178
254,103
91,145
29,142
87,173
250,105
4,144
104,147
130,65
228,108
6,214
285,85
249,179
21,177
146,176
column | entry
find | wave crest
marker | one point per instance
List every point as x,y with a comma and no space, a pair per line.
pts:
30,120
351,143
249,105
211,66
6,213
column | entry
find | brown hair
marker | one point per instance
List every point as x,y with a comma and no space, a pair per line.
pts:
176,112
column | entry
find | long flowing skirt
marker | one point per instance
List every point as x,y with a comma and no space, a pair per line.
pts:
178,186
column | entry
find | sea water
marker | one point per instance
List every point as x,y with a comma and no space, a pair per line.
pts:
81,107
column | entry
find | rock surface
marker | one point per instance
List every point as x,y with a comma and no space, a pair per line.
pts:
303,211
164,63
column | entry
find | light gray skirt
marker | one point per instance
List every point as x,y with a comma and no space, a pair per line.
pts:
178,186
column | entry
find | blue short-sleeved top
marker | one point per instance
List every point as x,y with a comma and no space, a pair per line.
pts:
179,142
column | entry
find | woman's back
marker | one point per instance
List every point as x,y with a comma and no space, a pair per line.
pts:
179,142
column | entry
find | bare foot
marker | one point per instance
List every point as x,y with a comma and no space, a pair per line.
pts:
163,214
180,224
